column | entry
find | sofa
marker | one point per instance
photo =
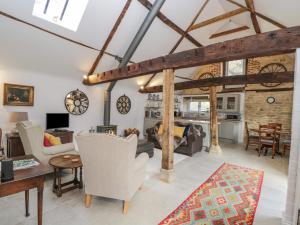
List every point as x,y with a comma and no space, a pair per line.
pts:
191,143
32,137
111,168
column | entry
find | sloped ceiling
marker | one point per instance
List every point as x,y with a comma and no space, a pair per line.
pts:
26,48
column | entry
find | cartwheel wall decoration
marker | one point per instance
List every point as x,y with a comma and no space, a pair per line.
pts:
123,104
76,102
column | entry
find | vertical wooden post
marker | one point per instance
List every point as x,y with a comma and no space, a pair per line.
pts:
167,171
214,145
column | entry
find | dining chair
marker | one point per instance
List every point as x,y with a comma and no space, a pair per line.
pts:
1,146
251,138
267,139
286,143
278,127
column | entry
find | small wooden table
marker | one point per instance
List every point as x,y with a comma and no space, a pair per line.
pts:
60,163
27,179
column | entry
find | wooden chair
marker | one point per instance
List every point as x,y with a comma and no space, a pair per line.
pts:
267,139
251,139
278,127
1,147
286,143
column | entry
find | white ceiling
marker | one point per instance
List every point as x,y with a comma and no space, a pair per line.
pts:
26,48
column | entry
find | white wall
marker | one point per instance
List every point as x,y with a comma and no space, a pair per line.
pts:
50,92
135,118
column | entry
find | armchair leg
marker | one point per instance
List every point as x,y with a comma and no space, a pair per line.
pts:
125,207
88,200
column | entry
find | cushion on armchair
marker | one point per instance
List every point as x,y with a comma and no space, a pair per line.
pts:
47,142
53,140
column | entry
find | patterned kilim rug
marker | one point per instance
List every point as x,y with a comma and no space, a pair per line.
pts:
229,197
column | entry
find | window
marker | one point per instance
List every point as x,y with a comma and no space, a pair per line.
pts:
233,68
65,13
236,67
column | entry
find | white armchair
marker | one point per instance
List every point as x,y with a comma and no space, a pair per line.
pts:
110,167
32,137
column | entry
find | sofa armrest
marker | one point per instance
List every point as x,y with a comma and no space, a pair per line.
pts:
141,161
57,149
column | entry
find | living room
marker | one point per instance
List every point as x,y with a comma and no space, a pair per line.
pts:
85,82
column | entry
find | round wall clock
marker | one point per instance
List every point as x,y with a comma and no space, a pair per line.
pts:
123,104
76,102
271,100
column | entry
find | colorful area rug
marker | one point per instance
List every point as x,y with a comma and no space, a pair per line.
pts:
229,197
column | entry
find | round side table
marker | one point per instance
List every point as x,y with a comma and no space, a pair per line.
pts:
61,162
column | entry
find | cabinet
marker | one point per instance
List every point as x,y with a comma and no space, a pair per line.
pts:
228,103
15,146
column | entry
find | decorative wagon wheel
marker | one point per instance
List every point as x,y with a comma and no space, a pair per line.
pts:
272,68
205,76
123,104
76,102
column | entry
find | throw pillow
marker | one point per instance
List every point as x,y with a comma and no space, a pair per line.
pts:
47,142
186,131
160,130
178,131
53,140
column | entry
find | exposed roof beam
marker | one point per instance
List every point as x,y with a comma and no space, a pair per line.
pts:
54,34
283,77
170,23
266,44
268,19
231,31
110,37
182,36
250,5
218,18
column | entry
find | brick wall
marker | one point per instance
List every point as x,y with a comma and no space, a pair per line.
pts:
215,69
257,110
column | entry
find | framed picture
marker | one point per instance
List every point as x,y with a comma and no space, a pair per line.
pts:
18,95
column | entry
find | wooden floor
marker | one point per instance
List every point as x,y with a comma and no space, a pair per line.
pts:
157,199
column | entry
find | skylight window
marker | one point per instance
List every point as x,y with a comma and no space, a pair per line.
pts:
65,13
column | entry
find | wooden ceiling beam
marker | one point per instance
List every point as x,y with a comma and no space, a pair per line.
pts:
110,37
170,23
268,19
218,18
250,5
283,77
231,31
271,43
182,37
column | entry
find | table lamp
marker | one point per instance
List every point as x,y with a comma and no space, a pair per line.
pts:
15,117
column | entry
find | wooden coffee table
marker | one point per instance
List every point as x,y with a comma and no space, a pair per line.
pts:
60,163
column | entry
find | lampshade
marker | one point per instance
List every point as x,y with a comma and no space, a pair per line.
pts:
15,117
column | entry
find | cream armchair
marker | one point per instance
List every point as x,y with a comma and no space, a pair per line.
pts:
32,137
110,167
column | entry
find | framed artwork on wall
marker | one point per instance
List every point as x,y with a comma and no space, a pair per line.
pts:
18,95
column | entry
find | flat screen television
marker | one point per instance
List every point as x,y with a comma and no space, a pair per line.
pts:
57,120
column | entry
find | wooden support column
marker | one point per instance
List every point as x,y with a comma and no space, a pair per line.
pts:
167,170
214,145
